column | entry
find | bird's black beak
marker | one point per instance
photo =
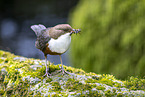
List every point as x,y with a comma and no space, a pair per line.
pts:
75,31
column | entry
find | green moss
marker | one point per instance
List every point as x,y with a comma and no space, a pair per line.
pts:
119,95
134,83
108,93
73,84
56,86
100,88
21,76
48,80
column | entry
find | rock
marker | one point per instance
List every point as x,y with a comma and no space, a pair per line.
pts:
21,76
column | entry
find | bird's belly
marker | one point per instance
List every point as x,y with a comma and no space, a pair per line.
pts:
61,44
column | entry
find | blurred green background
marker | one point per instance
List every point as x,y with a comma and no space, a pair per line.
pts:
112,39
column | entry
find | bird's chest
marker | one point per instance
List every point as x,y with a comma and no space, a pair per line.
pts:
61,44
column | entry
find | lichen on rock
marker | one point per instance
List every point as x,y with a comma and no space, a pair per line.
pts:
20,76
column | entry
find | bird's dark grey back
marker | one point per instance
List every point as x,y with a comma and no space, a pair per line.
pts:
42,39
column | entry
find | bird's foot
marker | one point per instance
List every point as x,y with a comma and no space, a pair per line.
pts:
64,72
47,74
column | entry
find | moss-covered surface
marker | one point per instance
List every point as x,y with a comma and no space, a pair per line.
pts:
21,76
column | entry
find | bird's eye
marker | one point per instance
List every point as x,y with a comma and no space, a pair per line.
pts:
67,30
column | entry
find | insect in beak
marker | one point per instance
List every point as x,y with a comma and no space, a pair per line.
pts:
75,31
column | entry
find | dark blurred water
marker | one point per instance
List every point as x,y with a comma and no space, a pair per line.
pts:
17,17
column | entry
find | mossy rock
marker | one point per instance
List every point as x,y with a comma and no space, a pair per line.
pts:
20,76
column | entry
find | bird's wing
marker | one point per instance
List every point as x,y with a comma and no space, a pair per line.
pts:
38,28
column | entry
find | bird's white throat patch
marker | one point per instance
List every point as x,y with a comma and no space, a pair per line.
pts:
61,44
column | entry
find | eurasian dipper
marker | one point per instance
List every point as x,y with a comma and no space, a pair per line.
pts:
53,40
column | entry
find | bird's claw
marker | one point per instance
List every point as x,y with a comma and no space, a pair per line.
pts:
64,72
47,74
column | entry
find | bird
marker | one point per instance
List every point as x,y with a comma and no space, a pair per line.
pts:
53,41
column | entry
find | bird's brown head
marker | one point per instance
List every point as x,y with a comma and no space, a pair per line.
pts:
61,29
67,28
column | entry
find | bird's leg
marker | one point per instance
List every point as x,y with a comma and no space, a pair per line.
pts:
62,69
61,64
47,69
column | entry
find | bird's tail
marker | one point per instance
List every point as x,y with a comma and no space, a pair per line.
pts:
38,28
